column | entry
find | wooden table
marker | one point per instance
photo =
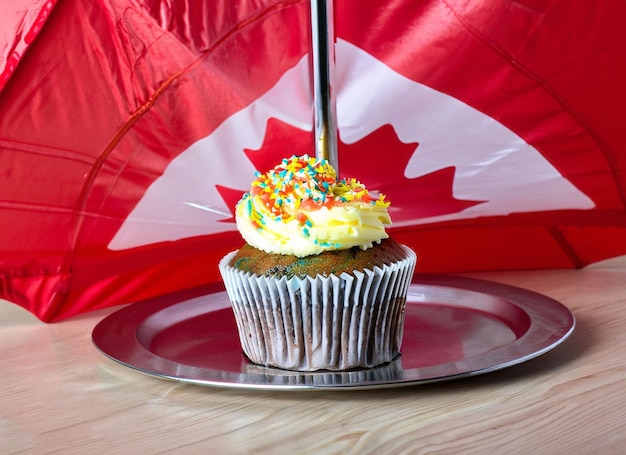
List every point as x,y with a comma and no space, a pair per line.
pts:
58,394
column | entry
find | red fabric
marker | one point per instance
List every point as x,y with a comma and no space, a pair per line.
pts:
21,23
98,98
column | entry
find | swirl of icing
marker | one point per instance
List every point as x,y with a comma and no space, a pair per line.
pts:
300,208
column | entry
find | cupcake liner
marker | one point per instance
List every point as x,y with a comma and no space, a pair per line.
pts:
313,323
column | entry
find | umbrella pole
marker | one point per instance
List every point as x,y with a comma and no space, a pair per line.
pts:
323,53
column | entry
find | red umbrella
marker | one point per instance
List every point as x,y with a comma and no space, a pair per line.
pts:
128,129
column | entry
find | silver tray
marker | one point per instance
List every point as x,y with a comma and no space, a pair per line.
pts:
455,327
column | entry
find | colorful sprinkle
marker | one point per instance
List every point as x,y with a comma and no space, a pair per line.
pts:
308,182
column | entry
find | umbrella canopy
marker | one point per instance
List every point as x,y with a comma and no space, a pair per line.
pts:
129,128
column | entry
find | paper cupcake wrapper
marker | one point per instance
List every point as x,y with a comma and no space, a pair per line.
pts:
312,323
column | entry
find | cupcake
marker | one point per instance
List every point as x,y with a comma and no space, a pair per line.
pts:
319,285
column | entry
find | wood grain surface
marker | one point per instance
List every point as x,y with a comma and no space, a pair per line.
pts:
58,394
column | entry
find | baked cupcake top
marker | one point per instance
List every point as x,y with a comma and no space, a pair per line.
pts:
300,208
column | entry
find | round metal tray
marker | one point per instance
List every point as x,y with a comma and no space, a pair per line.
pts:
455,327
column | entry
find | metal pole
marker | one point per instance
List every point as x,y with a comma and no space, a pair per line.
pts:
323,53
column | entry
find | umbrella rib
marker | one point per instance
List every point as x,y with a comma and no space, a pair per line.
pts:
564,245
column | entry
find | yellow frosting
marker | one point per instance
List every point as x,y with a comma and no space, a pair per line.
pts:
300,208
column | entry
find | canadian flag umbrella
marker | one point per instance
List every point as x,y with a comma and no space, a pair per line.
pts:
129,129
